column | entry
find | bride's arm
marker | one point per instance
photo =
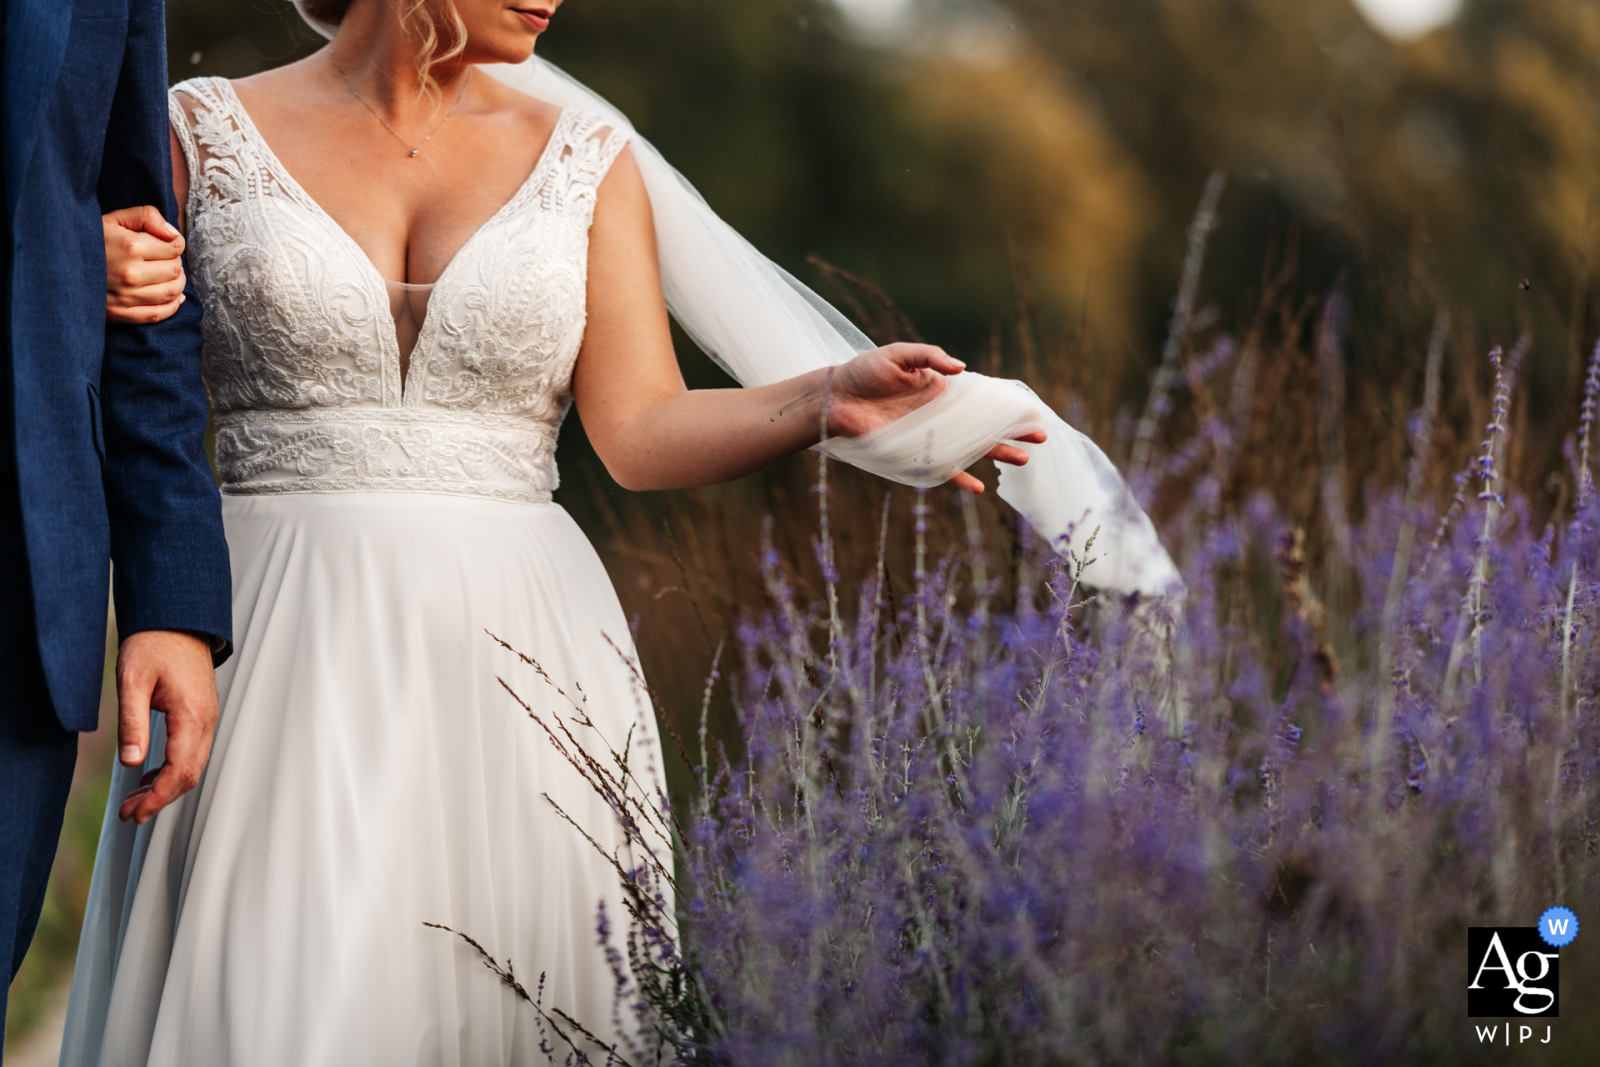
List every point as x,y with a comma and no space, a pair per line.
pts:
654,433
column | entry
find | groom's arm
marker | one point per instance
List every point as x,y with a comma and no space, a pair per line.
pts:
170,561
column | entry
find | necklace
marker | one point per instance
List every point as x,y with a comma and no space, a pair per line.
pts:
416,148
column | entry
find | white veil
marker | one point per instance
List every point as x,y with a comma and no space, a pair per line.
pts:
762,325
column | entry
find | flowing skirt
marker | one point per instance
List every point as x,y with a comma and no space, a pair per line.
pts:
371,774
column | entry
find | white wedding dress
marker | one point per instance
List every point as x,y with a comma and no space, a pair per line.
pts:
370,773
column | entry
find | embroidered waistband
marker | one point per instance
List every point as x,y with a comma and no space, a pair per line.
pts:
400,449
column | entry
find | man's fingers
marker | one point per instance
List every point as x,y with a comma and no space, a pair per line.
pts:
189,732
191,707
129,811
171,670
135,807
169,785
188,746
160,787
134,687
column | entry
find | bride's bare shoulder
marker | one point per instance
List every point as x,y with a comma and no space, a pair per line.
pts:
294,77
289,89
516,106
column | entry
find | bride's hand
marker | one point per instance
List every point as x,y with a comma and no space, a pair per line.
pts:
880,386
144,266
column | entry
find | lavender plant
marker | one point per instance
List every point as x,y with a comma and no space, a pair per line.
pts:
1057,828
1062,829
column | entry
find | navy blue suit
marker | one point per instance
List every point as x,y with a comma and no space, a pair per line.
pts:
101,428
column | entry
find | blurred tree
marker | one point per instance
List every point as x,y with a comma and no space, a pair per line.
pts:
230,39
913,170
1450,169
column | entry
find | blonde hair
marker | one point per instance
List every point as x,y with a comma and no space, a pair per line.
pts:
441,35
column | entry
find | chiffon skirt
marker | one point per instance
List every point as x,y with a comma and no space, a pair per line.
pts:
371,774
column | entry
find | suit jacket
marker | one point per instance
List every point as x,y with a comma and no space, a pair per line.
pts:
107,423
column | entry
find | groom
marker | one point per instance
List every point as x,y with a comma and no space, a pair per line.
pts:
101,441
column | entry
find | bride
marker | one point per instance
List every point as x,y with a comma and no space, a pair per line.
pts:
410,270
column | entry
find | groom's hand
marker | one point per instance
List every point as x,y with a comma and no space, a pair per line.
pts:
167,671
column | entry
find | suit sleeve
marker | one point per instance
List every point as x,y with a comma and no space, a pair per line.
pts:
169,557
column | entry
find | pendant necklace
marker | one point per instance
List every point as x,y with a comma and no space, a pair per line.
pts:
414,150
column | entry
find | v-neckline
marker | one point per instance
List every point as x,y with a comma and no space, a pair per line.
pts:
391,353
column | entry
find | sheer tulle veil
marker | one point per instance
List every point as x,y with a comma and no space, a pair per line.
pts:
762,325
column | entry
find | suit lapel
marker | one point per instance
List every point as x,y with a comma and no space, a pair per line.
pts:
35,45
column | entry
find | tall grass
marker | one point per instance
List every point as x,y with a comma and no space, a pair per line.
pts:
952,807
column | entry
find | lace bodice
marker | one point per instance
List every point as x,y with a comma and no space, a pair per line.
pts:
301,357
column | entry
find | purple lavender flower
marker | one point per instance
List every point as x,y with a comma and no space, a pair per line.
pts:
1083,831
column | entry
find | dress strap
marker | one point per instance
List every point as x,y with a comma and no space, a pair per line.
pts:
178,116
592,143
180,128
224,166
